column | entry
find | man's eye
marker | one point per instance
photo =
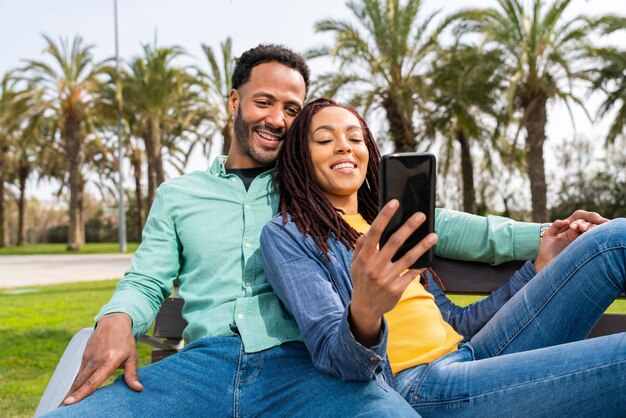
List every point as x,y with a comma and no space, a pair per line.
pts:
262,103
292,111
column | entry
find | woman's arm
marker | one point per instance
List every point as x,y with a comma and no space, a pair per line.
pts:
468,320
303,281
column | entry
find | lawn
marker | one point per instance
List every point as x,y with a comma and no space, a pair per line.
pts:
89,248
37,323
34,330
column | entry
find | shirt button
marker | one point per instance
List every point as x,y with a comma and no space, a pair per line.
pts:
233,180
248,284
247,245
247,206
240,316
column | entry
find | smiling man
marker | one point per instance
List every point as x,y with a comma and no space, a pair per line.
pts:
245,355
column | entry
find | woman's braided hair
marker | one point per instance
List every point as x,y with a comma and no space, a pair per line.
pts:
301,195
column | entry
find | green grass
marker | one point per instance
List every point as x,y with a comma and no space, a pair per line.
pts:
34,331
90,248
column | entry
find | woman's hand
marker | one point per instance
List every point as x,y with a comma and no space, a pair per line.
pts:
379,282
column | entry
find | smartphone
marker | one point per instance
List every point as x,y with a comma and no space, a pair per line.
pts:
410,178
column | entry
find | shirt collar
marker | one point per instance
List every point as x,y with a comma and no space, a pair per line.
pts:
218,169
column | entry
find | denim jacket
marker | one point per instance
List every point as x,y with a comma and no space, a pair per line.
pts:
317,288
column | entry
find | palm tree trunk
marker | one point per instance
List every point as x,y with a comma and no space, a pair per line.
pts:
158,154
75,156
23,172
147,138
400,126
4,233
136,162
227,134
535,117
467,172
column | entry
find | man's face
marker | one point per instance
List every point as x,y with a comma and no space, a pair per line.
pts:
264,109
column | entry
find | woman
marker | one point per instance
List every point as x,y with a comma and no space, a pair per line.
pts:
518,352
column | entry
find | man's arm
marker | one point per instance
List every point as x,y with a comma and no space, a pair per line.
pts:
495,239
133,307
491,239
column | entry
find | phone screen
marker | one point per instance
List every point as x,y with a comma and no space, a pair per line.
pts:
409,178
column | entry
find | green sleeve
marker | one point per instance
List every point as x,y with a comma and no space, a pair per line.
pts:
491,239
153,269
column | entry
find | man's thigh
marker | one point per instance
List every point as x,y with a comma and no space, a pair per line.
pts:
198,381
215,377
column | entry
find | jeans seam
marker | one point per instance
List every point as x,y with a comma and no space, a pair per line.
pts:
236,385
542,379
568,276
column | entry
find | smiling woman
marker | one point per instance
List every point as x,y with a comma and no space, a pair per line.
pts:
519,352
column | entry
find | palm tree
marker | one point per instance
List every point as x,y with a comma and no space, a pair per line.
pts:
544,55
217,86
160,96
465,96
71,91
26,153
610,77
383,59
16,106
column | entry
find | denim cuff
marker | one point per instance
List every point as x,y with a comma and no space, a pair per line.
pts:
370,358
524,274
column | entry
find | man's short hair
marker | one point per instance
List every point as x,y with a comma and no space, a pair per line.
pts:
268,53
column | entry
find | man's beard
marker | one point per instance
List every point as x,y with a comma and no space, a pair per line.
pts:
243,136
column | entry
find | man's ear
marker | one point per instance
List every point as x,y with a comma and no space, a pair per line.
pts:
233,102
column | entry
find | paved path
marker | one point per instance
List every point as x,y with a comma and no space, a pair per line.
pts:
33,270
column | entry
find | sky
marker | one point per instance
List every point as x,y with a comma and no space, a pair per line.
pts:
189,23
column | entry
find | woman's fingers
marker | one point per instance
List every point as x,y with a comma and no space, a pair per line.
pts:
372,238
398,238
414,254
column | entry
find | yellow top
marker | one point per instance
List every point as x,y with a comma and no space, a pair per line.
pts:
417,332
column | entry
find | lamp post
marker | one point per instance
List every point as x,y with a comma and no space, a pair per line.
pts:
118,98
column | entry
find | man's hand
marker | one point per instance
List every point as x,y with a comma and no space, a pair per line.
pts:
556,239
564,232
110,347
379,282
582,221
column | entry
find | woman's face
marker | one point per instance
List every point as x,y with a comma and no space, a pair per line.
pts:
339,156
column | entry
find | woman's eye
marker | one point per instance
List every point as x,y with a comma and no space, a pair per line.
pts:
324,141
356,139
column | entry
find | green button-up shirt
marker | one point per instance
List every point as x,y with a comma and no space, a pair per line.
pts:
204,229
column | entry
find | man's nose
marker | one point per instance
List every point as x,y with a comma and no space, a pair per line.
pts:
276,117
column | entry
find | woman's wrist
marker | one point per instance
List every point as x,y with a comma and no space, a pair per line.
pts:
365,325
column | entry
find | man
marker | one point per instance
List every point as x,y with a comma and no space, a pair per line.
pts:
245,355
246,358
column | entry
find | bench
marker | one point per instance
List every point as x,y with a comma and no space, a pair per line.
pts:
459,277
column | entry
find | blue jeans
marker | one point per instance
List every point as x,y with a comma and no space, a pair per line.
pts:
531,359
214,377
